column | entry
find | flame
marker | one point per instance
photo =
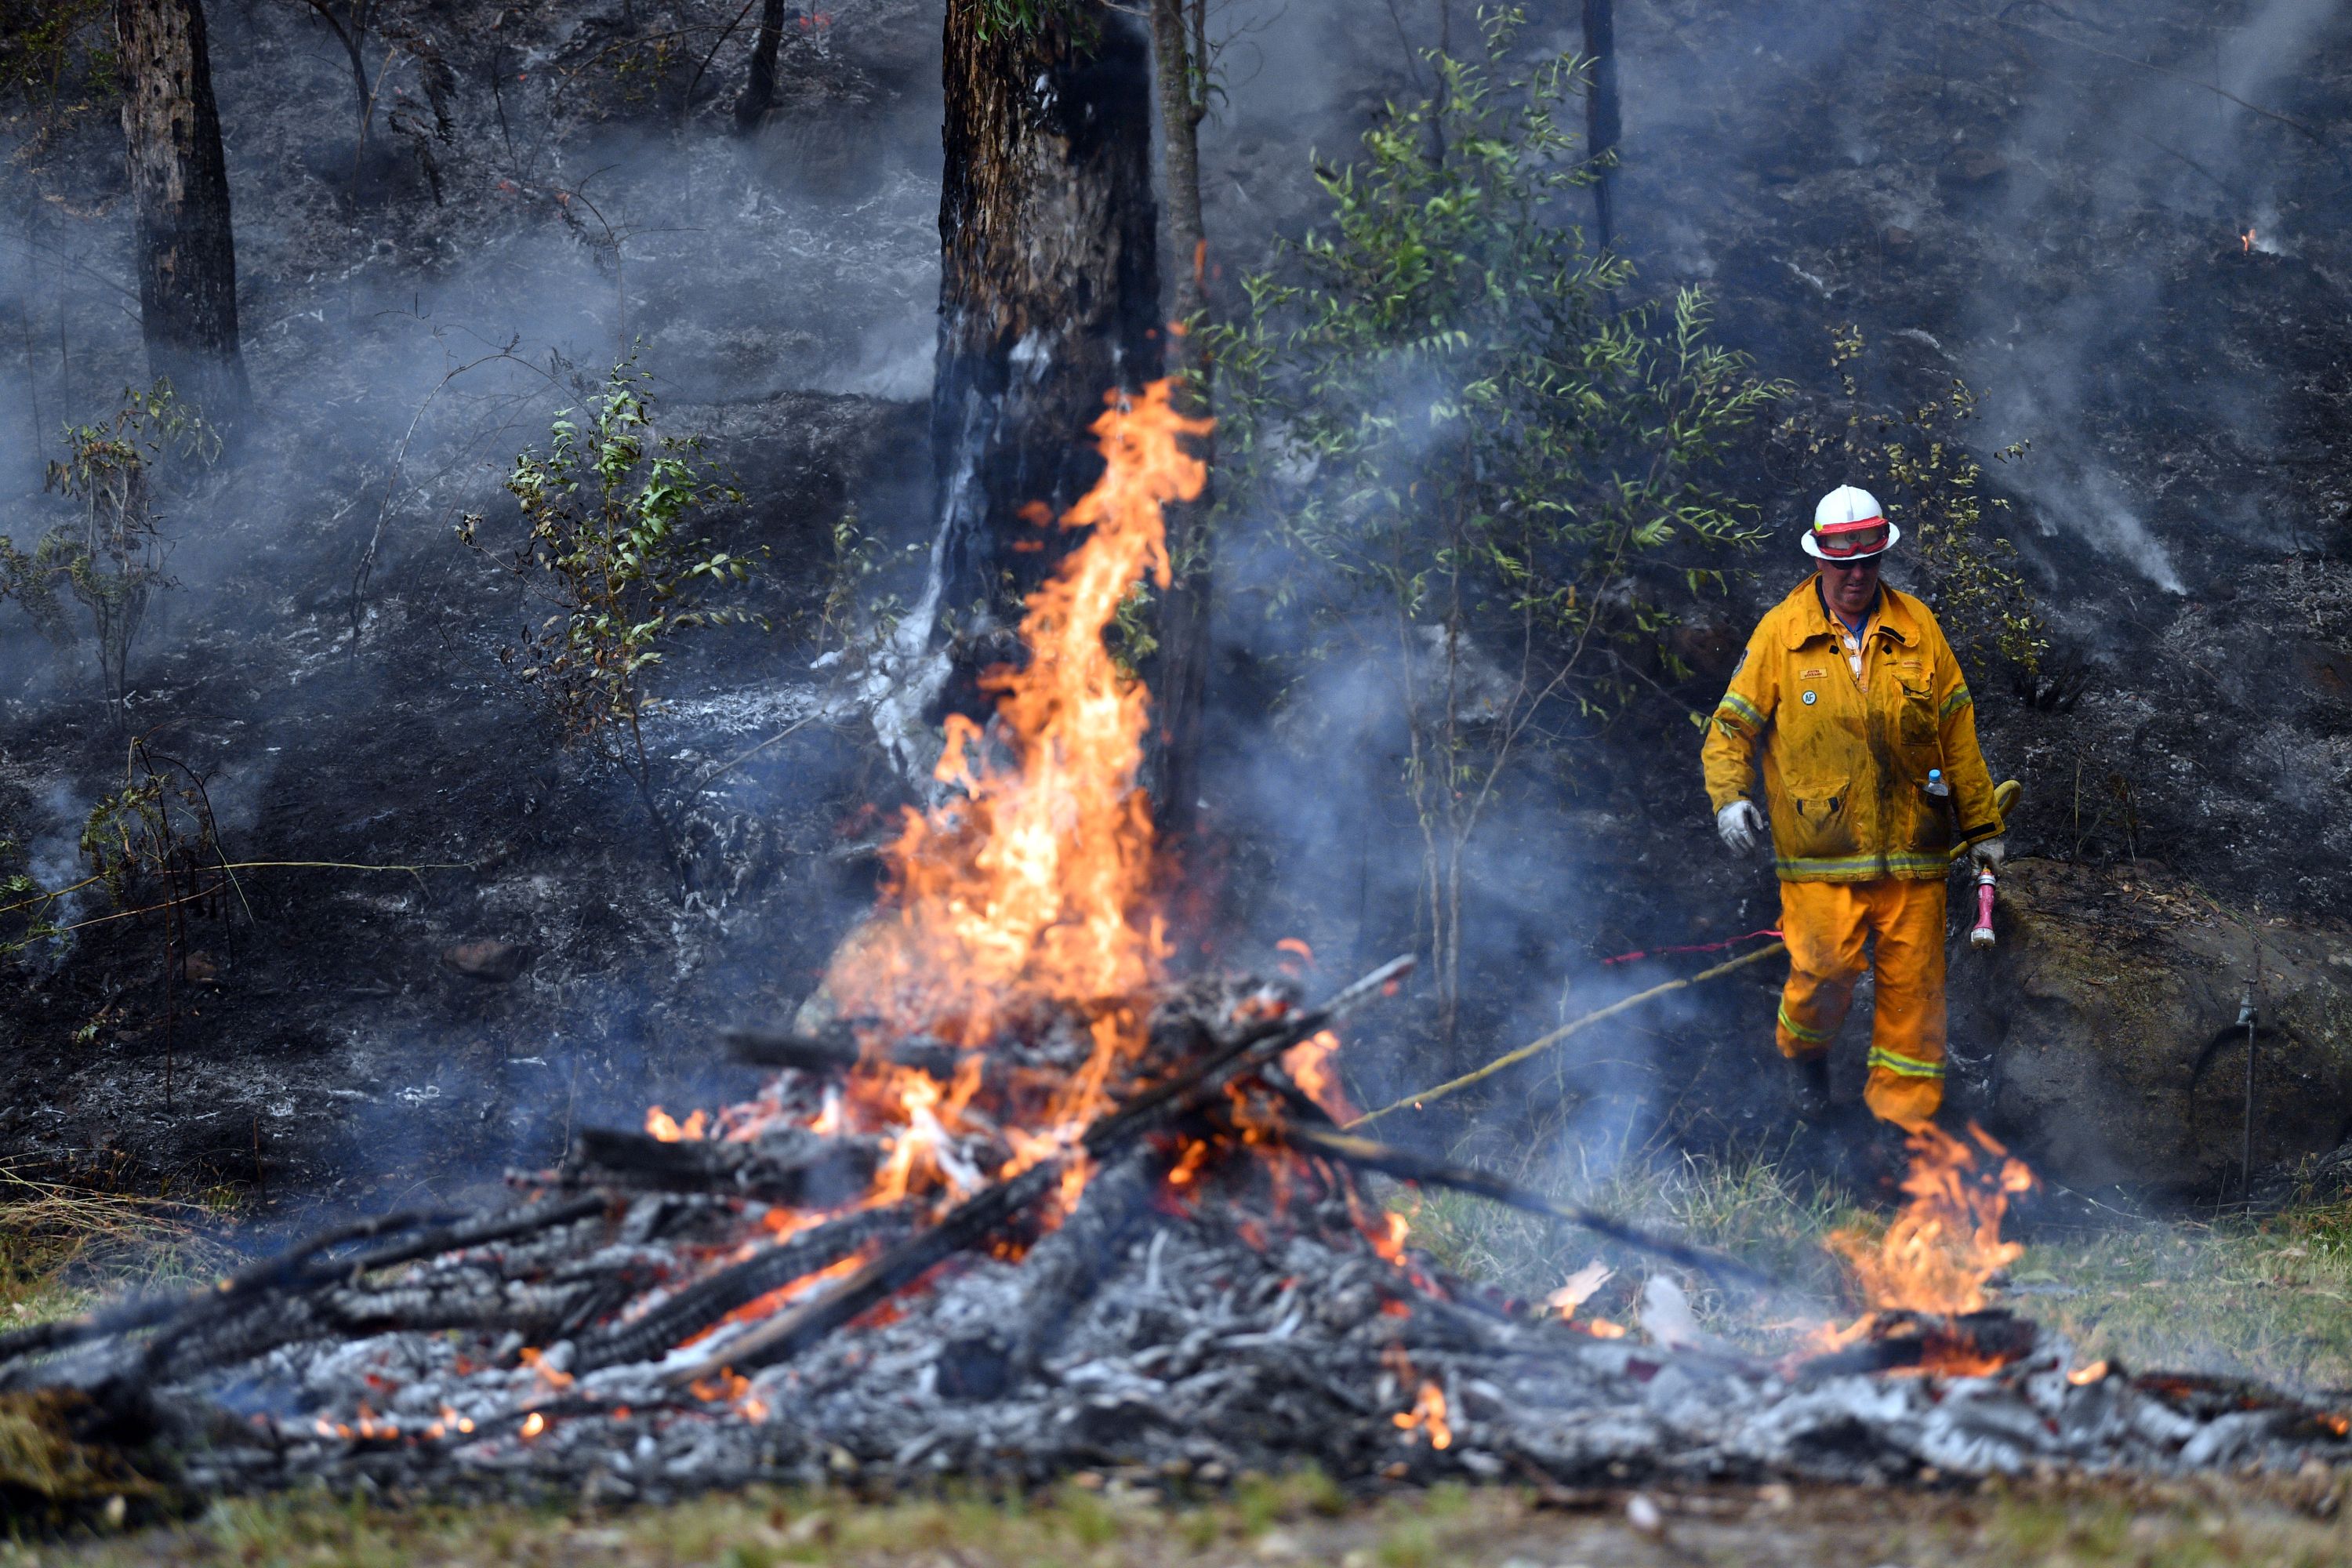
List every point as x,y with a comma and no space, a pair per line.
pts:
1188,1161
1427,1415
552,1377
761,1306
1031,886
2246,241
1940,1251
661,1124
1309,1065
1603,1328
533,1425
2087,1375
1025,901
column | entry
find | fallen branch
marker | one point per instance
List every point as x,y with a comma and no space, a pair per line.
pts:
1407,1166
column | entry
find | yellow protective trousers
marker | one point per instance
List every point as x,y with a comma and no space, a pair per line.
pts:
1826,925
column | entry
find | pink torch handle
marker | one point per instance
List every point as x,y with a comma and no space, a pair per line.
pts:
1982,935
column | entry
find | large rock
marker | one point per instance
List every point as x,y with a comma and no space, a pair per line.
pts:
2112,1008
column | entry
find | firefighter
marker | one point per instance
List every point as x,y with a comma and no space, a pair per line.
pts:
1849,696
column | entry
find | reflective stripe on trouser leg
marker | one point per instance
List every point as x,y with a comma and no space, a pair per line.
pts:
1907,1035
1824,925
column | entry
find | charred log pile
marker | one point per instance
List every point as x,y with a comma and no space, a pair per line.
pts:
791,1296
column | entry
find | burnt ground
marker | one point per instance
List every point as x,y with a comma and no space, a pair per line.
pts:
1982,201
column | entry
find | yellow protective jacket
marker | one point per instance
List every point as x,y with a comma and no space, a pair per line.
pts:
1845,761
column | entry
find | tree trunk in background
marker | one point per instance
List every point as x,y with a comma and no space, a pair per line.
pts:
1602,127
179,183
759,92
1180,55
1048,280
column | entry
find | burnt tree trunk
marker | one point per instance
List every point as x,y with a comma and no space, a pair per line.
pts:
1180,61
179,186
1602,126
1048,285
759,92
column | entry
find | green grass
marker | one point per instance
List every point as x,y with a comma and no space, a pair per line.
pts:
1099,1523
2267,1298
64,1249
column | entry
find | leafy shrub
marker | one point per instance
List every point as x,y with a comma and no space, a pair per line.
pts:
606,548
1465,452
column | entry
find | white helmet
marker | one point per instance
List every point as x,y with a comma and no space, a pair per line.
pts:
1849,525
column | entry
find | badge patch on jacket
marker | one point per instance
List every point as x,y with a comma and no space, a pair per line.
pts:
1812,674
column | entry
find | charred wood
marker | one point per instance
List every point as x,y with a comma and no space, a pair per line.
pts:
814,1172
1407,1166
759,90
1048,273
705,1302
185,257
823,1056
978,1216
1063,1270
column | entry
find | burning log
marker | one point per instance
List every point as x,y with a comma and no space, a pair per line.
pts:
979,1216
706,1302
1968,1345
805,1171
825,1057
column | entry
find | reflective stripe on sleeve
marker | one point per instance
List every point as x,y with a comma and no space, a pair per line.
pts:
1741,708
1959,699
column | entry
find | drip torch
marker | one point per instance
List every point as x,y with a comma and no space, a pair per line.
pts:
1939,789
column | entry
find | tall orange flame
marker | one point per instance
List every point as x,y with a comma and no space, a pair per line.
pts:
1945,1244
1030,888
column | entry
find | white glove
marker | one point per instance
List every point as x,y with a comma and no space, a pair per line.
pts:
1741,827
1989,853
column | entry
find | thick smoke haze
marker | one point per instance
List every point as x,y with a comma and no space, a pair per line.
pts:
2047,203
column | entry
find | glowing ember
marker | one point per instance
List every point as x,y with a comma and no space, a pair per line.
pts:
533,1425
1427,1415
661,1124
2087,1374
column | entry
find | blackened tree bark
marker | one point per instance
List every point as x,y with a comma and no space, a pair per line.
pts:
759,92
179,186
1049,283
1602,127
1180,61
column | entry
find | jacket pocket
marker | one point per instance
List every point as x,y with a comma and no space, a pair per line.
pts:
1817,821
1916,728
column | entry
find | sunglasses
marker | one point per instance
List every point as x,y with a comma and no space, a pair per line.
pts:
1853,566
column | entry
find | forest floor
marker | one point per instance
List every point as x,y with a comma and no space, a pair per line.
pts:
2268,1298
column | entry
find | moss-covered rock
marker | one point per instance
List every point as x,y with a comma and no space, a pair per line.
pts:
2112,1008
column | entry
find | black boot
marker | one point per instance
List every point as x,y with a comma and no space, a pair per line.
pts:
1809,1086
